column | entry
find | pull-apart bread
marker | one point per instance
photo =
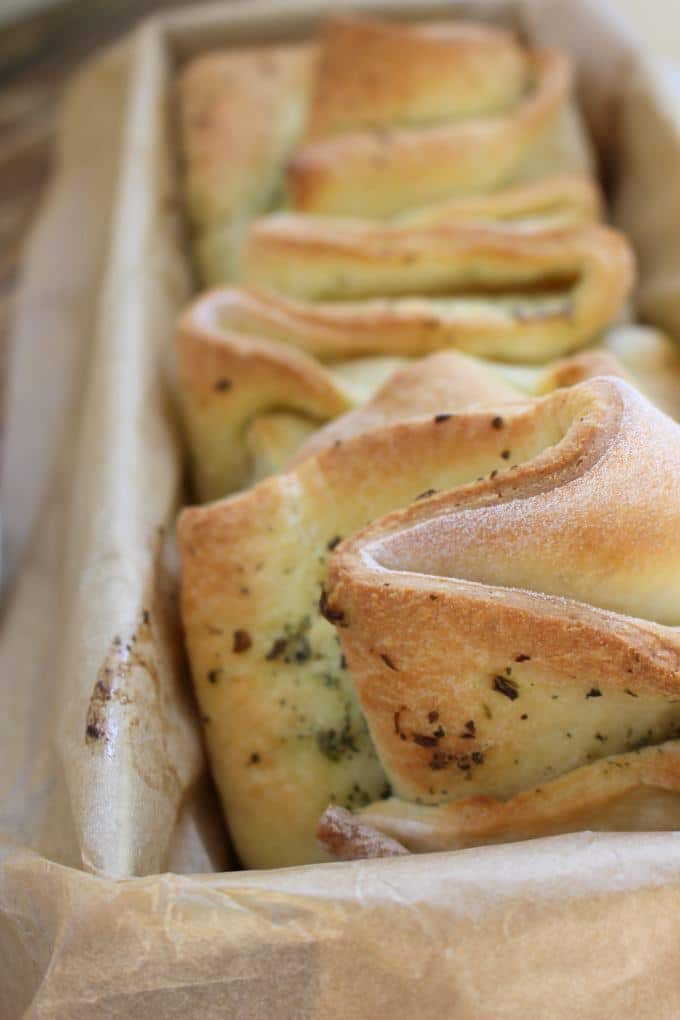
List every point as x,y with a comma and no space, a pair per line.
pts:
514,642
325,307
251,400
406,115
443,608
372,120
334,302
314,658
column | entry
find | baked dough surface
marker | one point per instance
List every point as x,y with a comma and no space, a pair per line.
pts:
446,597
271,126
278,682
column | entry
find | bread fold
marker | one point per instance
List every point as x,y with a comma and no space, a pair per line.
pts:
634,791
282,723
240,114
558,199
514,642
252,399
377,74
263,127
493,291
443,610
386,134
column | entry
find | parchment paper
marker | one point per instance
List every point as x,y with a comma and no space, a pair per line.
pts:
575,928
102,774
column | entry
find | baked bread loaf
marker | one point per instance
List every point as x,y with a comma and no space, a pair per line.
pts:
250,399
493,112
285,731
247,352
443,611
283,727
376,74
513,641
403,115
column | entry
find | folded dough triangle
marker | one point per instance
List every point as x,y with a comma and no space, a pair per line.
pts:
285,732
403,115
514,643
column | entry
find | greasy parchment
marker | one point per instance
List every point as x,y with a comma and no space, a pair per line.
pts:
102,773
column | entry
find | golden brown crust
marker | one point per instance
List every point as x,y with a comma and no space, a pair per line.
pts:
470,286
447,379
439,613
255,564
227,380
375,74
638,791
379,174
242,112
551,201
578,367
